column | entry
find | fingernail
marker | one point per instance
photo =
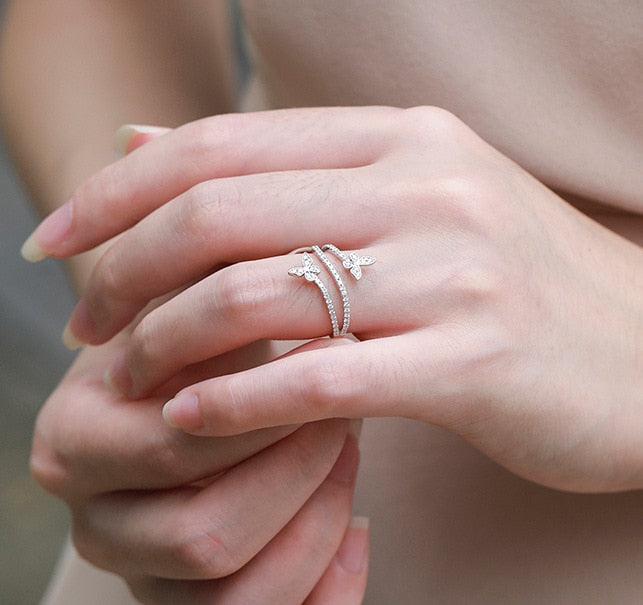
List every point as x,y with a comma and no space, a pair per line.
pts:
345,468
48,235
109,383
117,377
183,412
80,327
353,551
69,340
125,136
31,251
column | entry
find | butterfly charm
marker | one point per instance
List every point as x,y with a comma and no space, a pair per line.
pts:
309,270
354,263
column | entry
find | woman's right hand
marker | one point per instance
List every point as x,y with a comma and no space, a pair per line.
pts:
257,518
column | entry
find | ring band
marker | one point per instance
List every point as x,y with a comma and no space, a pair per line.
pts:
310,271
340,286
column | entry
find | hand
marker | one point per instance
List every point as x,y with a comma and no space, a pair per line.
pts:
494,309
255,518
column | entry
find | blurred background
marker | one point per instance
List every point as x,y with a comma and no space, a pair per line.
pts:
35,301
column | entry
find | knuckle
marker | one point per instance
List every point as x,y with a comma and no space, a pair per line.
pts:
457,189
204,137
460,198
204,215
197,213
430,120
243,294
48,466
476,202
331,386
90,538
203,553
201,139
478,282
454,199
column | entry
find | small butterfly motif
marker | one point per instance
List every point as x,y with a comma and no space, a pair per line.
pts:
308,269
354,263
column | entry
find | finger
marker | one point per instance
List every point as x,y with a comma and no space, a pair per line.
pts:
303,548
217,223
286,570
195,533
226,145
417,373
247,302
344,581
129,442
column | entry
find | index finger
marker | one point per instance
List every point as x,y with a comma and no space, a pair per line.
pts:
221,146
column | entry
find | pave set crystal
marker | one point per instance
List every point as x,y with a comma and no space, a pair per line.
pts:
353,261
311,272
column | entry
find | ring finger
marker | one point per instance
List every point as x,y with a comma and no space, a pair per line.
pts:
258,300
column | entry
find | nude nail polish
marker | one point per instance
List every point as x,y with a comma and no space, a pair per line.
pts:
353,552
69,340
183,412
80,327
48,235
124,136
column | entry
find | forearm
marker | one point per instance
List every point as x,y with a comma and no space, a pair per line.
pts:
72,71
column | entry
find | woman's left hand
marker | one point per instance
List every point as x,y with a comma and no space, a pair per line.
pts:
494,309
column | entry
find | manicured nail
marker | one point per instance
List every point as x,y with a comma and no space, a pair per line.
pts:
69,340
31,251
345,468
109,383
353,551
48,235
80,327
125,137
183,412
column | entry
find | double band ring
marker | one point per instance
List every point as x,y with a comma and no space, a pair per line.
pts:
311,272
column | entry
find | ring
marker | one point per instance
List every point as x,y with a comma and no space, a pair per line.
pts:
340,286
311,272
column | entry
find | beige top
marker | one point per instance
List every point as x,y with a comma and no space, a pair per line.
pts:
557,86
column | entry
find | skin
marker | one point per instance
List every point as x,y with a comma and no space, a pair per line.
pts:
506,319
479,360
102,51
